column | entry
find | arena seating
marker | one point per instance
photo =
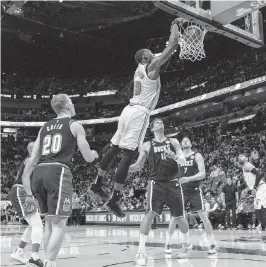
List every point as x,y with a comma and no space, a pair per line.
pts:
219,152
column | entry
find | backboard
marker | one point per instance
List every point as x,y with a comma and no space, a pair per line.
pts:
238,20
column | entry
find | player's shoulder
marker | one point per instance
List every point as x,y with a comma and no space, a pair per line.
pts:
198,155
146,145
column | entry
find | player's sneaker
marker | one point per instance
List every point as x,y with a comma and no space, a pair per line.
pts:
141,259
213,249
185,249
98,191
115,208
34,263
167,249
19,256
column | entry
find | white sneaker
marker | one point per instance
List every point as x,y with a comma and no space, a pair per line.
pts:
19,256
213,250
141,259
167,249
183,253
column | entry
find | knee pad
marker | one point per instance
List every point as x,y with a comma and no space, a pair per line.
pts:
26,235
36,224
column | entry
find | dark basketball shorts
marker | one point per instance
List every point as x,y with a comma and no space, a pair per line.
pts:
195,197
52,186
169,193
17,197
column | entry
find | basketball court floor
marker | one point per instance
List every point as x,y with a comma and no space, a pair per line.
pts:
104,246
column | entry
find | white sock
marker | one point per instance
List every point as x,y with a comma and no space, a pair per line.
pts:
35,255
142,242
168,238
184,238
211,239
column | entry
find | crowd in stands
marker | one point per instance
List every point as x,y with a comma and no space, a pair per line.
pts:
220,152
210,78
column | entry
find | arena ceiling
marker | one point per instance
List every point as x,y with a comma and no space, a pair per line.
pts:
84,31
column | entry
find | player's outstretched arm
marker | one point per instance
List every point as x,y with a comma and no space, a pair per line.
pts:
143,154
156,63
83,145
30,165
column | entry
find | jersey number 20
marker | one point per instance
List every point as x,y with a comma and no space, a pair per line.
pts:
51,144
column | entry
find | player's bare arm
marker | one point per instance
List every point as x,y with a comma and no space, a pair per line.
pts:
200,175
144,152
30,165
248,167
154,67
83,145
178,156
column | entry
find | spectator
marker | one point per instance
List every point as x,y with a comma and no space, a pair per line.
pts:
230,199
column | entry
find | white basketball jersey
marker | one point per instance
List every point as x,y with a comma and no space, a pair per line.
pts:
249,176
146,91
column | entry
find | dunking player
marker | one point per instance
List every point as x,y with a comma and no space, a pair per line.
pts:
254,180
163,154
134,120
52,178
18,196
191,173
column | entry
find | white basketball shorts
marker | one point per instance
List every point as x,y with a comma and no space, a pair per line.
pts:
132,126
260,199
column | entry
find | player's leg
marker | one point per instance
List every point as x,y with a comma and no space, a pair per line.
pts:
18,254
36,238
33,232
113,151
58,181
134,132
260,204
96,187
155,200
120,178
175,201
197,205
56,239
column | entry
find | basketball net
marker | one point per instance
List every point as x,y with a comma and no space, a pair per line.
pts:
191,41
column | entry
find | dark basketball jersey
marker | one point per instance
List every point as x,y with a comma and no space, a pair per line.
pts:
190,168
161,167
20,172
57,142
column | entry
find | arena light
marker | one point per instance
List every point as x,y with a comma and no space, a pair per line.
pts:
182,104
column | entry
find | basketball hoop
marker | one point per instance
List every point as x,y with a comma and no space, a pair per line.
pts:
191,41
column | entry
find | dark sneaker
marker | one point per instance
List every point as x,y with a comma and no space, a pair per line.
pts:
34,263
115,209
97,190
